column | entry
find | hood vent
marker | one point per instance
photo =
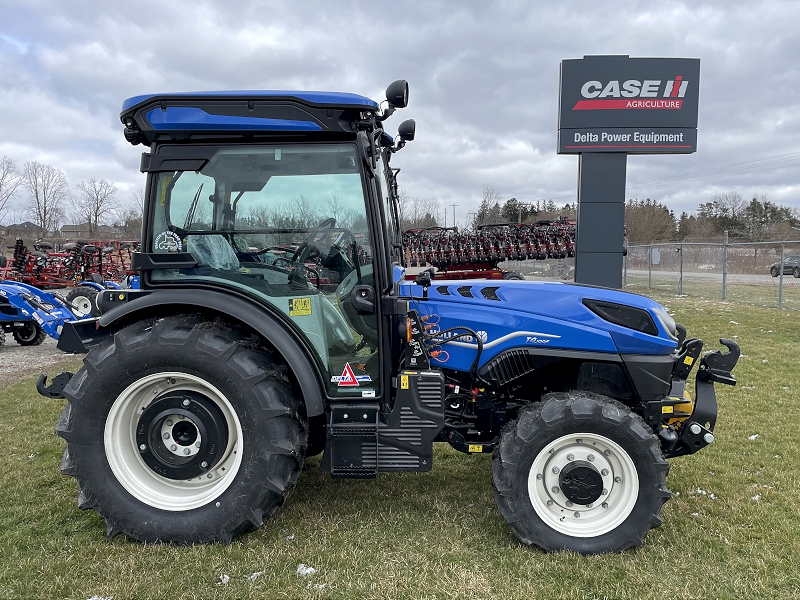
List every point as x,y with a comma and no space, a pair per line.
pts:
490,293
466,291
442,289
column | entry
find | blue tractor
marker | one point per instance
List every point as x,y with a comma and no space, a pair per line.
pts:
31,314
274,322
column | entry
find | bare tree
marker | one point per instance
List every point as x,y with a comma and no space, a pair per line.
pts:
10,180
138,200
96,200
418,212
48,189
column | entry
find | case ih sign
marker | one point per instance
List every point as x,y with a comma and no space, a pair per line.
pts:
633,105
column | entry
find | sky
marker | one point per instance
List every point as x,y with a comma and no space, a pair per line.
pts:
483,84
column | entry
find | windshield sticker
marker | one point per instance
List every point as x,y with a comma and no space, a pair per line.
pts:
299,307
164,185
168,241
349,378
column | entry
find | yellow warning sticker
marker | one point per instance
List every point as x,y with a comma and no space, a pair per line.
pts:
299,307
476,447
667,409
403,382
688,360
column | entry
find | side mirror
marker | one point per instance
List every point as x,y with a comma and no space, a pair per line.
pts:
397,94
407,129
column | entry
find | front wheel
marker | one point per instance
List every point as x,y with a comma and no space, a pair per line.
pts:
513,275
774,271
84,299
796,272
182,430
579,472
30,334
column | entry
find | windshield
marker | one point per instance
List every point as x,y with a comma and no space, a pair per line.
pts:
286,224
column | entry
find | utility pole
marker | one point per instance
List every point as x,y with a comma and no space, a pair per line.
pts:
454,214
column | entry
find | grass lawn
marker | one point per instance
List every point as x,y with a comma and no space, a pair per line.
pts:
732,529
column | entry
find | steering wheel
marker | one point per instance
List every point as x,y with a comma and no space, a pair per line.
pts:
331,254
309,245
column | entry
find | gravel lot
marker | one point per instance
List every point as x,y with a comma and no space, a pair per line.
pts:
17,362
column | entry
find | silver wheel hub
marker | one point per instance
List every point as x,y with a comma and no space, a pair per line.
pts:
598,470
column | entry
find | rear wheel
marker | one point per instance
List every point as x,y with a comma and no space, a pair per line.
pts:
177,431
30,334
774,271
84,299
796,272
579,472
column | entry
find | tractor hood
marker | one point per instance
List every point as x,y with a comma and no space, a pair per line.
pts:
556,314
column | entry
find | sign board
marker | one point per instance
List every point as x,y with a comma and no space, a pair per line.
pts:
632,105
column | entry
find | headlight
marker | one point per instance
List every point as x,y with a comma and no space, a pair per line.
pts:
668,322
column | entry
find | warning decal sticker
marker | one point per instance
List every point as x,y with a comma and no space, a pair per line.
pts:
349,378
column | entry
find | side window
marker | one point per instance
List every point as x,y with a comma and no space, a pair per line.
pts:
389,209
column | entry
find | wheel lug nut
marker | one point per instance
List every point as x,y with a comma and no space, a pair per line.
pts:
186,402
604,472
605,505
579,441
570,457
166,436
590,458
590,505
204,464
607,452
605,491
539,476
142,447
554,489
209,476
173,447
618,479
555,470
186,451
569,503
577,515
549,503
169,422
197,444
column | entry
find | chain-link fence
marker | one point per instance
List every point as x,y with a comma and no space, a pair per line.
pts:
737,272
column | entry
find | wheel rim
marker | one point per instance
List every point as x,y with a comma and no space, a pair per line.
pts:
583,453
83,304
27,333
191,485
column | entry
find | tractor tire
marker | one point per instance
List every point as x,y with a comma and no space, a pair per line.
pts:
2,337
30,334
580,472
85,298
513,275
182,430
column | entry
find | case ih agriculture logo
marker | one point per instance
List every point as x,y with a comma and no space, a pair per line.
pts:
633,105
633,94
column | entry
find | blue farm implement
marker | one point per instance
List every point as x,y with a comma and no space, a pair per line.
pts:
31,314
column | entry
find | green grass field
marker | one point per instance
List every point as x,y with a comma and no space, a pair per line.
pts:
732,530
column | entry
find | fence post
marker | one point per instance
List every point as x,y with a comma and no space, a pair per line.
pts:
724,263
625,263
780,281
649,267
680,278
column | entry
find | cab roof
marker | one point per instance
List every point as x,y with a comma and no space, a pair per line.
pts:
339,99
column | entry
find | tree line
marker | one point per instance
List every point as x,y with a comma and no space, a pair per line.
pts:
48,201
757,219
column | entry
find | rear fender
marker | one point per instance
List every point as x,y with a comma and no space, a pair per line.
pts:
287,343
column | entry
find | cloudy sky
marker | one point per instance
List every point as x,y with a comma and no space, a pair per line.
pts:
483,77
